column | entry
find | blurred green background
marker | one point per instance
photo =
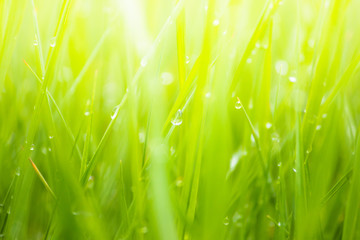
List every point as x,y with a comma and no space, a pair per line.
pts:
188,119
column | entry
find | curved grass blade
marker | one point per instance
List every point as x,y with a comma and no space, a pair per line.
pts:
38,173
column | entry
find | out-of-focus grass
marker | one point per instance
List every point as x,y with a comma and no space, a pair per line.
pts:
209,119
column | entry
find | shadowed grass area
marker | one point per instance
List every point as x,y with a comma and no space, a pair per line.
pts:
179,119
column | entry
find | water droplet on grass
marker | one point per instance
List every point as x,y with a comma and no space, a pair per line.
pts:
142,137
238,104
179,182
51,137
172,150
318,127
167,78
226,221
44,150
114,114
268,125
177,120
216,22
208,95
275,137
35,43
53,42
308,151
32,147
237,219
90,183
292,79
187,59
249,60
281,67
294,170
144,62
17,173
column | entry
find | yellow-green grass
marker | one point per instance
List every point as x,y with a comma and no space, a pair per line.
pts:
179,119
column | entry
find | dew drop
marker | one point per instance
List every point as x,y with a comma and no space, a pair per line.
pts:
294,170
167,78
177,120
279,164
44,150
90,183
226,221
324,115
187,59
87,113
309,150
144,62
238,104
49,149
237,219
35,43
17,173
275,137
249,60
292,79
53,42
208,95
216,22
142,137
252,138
51,137
318,127
268,125
281,67
32,147
179,182
172,150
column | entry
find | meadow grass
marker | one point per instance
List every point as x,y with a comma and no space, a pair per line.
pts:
181,119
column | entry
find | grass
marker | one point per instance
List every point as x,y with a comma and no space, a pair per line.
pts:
179,119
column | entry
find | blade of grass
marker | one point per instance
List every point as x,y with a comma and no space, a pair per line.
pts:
38,39
180,39
337,187
85,154
41,177
49,95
